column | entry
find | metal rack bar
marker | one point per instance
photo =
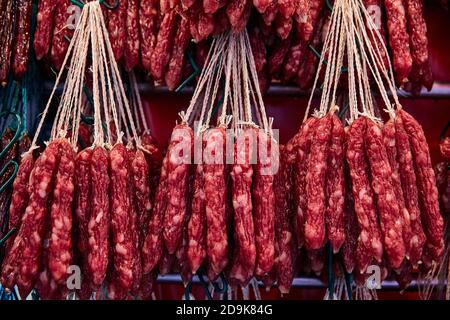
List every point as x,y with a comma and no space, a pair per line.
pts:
440,90
299,282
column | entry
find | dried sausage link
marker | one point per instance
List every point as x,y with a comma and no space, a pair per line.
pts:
27,249
418,40
390,144
283,228
211,6
263,204
177,183
398,39
44,27
60,246
99,225
148,23
197,229
215,200
175,69
59,43
262,5
315,184
242,173
163,46
426,181
121,218
117,28
335,186
369,240
302,150
17,208
386,202
132,44
22,41
410,192
83,212
153,246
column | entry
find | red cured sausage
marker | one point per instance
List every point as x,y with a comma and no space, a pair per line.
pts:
117,28
263,204
258,48
148,23
27,249
196,252
7,32
44,27
83,213
277,56
211,6
390,144
286,8
175,69
132,44
270,13
315,184
99,226
10,155
121,219
418,41
82,199
369,240
161,52
294,58
262,5
17,208
398,39
46,286
314,9
134,218
375,11
308,69
335,186
283,26
242,173
215,200
59,43
349,248
444,147
152,249
60,246
238,12
283,229
301,16
410,192
426,181
301,157
386,202
179,154
221,22
142,194
22,40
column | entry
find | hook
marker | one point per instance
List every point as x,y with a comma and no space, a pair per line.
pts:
325,61
224,287
110,6
444,131
348,284
17,133
6,237
77,3
329,5
11,178
193,74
